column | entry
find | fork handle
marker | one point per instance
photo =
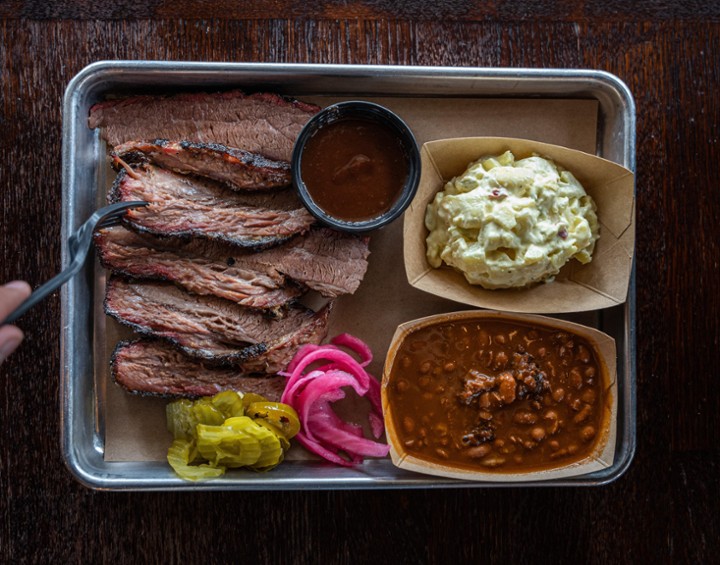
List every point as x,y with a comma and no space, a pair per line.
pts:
48,288
79,244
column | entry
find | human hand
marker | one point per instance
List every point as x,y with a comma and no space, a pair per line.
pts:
11,296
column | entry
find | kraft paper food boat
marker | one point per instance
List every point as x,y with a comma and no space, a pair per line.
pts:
602,283
603,453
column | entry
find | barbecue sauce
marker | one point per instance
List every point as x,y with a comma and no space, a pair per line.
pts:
353,169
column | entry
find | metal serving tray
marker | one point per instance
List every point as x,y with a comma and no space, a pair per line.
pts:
82,430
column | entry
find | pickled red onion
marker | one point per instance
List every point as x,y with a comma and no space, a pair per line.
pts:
311,394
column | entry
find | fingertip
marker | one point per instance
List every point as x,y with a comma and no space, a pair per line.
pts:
20,286
10,338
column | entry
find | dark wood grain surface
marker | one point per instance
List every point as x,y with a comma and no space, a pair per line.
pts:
664,509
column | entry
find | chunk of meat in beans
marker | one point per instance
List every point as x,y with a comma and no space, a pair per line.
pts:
497,395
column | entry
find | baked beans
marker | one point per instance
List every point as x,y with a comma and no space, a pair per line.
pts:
496,395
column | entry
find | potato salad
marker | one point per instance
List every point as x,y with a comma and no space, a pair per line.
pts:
508,223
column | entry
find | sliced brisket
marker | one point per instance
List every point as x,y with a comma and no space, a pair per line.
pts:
262,123
240,170
186,206
151,367
211,328
325,260
202,267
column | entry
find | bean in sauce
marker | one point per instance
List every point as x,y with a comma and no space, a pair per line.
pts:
496,396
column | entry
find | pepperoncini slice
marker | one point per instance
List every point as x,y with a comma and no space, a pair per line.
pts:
284,442
280,416
250,397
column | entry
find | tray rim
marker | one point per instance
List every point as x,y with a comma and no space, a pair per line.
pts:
72,403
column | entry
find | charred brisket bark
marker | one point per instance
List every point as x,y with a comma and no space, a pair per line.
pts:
262,123
213,329
184,206
238,169
201,267
325,260
151,367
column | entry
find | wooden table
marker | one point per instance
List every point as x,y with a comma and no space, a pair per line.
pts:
664,509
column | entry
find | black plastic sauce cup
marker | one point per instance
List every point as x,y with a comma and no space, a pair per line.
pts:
369,112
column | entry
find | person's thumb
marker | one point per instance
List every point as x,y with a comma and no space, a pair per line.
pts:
11,296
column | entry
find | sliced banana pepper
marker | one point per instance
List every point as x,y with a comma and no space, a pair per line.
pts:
280,416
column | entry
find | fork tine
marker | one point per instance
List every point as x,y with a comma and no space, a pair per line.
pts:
114,216
118,209
109,221
81,240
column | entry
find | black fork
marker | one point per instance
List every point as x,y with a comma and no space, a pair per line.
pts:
79,246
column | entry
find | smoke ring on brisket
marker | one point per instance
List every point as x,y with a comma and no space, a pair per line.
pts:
330,262
213,329
150,367
236,168
183,206
263,123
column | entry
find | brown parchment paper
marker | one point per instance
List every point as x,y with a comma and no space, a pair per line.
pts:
135,426
604,452
602,283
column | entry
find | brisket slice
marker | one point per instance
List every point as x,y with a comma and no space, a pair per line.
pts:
262,123
184,206
151,367
213,329
201,267
325,260
238,169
